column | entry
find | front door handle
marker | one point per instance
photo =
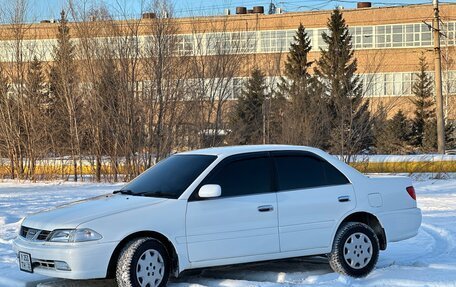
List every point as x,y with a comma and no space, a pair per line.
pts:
344,198
265,208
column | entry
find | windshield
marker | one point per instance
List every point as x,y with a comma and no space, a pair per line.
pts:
170,177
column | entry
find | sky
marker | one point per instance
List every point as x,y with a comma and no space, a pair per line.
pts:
49,9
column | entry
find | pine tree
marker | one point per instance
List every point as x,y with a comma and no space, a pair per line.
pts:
429,143
247,119
63,86
450,139
400,127
379,129
36,115
351,123
395,135
276,109
422,123
103,110
305,115
392,136
36,85
297,65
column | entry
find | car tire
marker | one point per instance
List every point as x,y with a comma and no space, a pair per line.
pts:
142,261
355,250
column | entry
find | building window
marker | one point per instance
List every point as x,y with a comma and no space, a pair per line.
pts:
185,44
277,41
243,42
401,83
449,34
397,36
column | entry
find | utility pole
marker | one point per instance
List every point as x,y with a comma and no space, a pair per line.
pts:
438,80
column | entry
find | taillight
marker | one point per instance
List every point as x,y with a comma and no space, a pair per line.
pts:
411,192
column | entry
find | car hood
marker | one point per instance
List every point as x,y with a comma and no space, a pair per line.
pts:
73,214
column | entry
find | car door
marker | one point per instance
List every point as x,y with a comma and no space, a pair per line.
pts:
312,196
243,220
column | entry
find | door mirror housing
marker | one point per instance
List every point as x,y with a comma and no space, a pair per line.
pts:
210,191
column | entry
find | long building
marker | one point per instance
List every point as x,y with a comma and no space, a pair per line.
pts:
387,40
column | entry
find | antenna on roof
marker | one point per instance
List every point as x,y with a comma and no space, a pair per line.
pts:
272,8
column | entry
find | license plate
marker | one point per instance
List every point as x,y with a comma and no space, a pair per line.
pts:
25,262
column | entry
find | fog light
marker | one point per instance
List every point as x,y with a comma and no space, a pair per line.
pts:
62,265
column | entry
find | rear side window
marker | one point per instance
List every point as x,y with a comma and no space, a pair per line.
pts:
244,177
333,175
297,172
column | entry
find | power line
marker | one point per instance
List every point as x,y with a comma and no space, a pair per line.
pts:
243,18
382,3
291,6
297,4
264,3
321,4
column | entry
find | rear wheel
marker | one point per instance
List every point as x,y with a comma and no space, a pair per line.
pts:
143,262
355,250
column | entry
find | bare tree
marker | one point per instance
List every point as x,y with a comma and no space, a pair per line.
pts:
125,43
23,115
217,58
7,123
99,79
166,73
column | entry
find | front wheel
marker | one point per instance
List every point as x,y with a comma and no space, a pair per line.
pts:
355,250
143,262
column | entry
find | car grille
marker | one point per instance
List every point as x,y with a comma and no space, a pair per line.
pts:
34,234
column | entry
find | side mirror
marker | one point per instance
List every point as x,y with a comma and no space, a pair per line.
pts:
210,191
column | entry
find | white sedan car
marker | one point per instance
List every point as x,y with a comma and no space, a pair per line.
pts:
223,206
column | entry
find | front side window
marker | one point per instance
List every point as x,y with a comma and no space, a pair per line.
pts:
298,172
170,177
243,177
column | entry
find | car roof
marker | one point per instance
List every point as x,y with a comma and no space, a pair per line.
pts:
223,152
233,150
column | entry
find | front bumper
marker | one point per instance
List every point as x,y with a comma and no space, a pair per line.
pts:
87,260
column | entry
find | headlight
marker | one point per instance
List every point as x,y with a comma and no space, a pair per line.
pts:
62,235
74,235
81,235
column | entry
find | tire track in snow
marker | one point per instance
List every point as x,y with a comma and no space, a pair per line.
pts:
444,242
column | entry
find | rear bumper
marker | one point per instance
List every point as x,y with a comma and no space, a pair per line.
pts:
87,260
401,224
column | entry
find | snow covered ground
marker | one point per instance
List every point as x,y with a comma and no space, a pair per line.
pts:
19,199
429,259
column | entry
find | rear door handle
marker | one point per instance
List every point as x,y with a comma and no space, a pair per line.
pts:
344,198
265,208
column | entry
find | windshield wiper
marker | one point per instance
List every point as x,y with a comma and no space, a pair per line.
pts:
145,193
124,191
